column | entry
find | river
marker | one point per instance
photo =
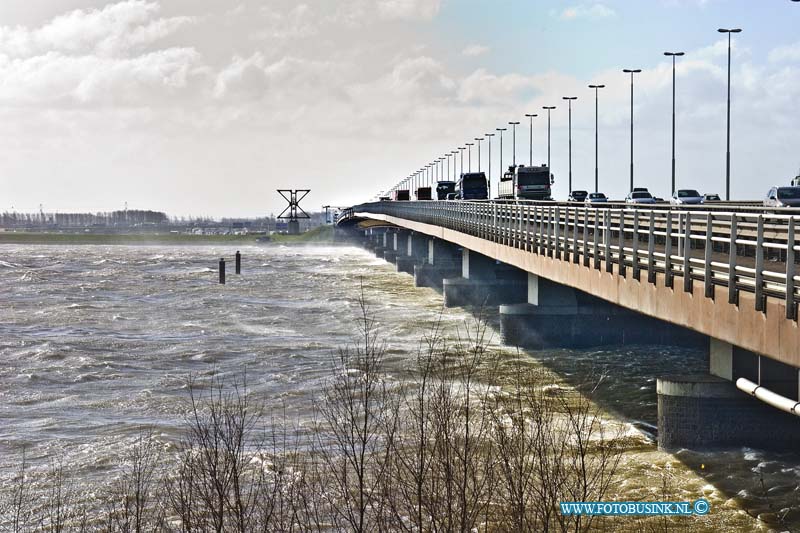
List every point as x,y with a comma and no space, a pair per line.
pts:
97,343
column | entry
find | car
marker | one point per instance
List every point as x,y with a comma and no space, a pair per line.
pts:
783,197
640,189
443,188
686,197
596,198
711,198
639,197
450,196
577,196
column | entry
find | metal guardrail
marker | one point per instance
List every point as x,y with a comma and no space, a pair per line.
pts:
741,248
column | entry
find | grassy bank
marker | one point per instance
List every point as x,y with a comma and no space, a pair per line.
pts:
320,235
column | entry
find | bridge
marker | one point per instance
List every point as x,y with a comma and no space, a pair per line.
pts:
718,276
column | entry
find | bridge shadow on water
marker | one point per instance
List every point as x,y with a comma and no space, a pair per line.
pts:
765,483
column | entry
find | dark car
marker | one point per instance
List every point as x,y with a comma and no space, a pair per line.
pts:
783,197
443,188
578,196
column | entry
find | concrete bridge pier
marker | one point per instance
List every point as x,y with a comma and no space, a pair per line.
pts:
390,254
415,251
380,243
709,411
369,239
483,282
441,260
556,315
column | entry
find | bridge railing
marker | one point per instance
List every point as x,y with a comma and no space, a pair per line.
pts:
743,250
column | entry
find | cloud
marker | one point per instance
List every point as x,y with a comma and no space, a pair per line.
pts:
590,11
483,87
290,78
58,79
103,56
475,50
117,29
782,54
409,9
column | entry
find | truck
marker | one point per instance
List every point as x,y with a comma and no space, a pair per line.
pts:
424,193
526,183
443,188
402,195
472,186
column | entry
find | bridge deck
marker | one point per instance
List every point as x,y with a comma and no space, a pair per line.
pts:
737,269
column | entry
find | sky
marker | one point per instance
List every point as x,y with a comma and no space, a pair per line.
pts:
206,107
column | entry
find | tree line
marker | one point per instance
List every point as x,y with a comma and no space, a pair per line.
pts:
132,217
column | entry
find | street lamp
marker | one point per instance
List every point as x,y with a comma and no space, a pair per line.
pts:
514,141
596,120
479,139
569,100
530,116
548,108
455,153
501,130
728,153
632,72
469,156
673,55
489,140
461,149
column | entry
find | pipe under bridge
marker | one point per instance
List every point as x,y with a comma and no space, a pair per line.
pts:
724,272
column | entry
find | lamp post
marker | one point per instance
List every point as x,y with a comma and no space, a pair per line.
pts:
461,149
514,142
569,100
480,140
501,130
632,72
449,155
469,156
530,147
596,121
673,55
455,153
728,151
489,141
548,108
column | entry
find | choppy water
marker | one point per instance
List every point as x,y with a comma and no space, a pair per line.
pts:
96,343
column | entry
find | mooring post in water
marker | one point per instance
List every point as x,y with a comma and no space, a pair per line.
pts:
238,262
222,271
